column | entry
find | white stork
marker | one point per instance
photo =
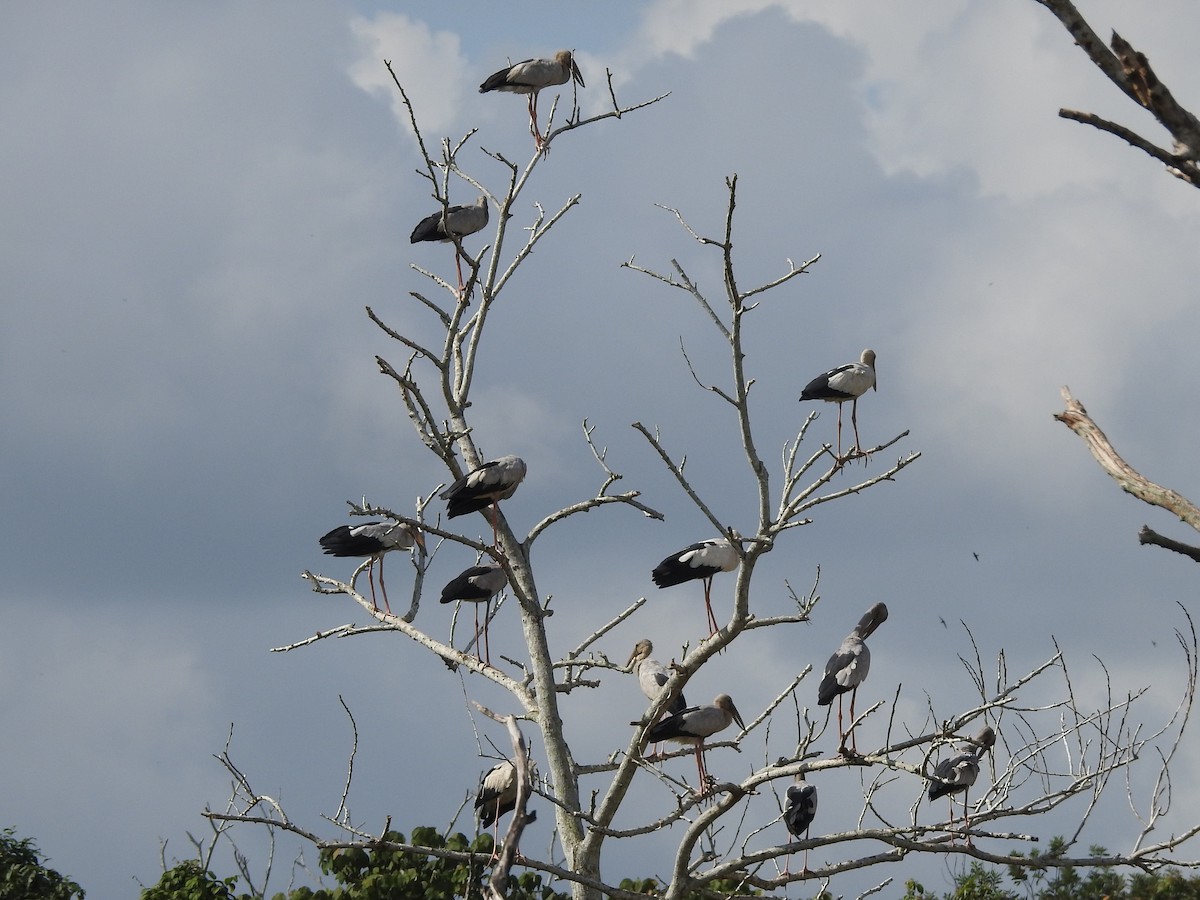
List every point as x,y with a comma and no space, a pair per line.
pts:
960,772
497,795
485,486
695,724
698,562
371,540
848,668
529,76
454,222
478,584
848,382
800,811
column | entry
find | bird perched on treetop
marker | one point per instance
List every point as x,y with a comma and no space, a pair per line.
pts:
529,76
848,382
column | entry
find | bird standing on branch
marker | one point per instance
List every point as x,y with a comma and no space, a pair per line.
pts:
371,540
478,584
698,562
800,811
848,382
958,773
695,724
531,75
485,486
454,222
652,676
848,668
497,795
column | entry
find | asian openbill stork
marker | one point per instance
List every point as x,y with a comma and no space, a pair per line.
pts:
497,795
848,668
478,584
485,486
529,76
698,562
652,676
799,812
958,773
371,540
454,222
848,382
695,724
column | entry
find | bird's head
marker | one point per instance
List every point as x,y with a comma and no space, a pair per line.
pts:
868,359
984,740
725,702
875,616
418,537
566,59
641,650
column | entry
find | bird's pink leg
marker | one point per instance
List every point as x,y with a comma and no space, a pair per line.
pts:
533,123
495,527
854,421
841,731
712,619
371,582
853,730
701,770
487,639
839,439
383,589
458,262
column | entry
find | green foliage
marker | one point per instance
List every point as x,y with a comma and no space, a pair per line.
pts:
1037,881
189,880
383,874
364,873
23,877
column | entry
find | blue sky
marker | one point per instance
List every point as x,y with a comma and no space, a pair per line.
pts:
201,200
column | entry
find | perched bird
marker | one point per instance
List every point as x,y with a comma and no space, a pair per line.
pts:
485,486
454,222
497,795
478,584
531,75
848,668
698,561
960,772
695,724
652,675
800,811
371,540
848,382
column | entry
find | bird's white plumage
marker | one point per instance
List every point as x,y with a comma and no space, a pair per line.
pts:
488,483
696,561
531,75
843,383
497,792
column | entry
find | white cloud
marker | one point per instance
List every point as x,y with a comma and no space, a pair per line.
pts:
429,64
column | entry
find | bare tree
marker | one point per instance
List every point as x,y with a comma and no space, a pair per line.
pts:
1130,71
1053,750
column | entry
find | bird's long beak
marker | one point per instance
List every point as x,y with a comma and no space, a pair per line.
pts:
419,539
737,716
576,74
